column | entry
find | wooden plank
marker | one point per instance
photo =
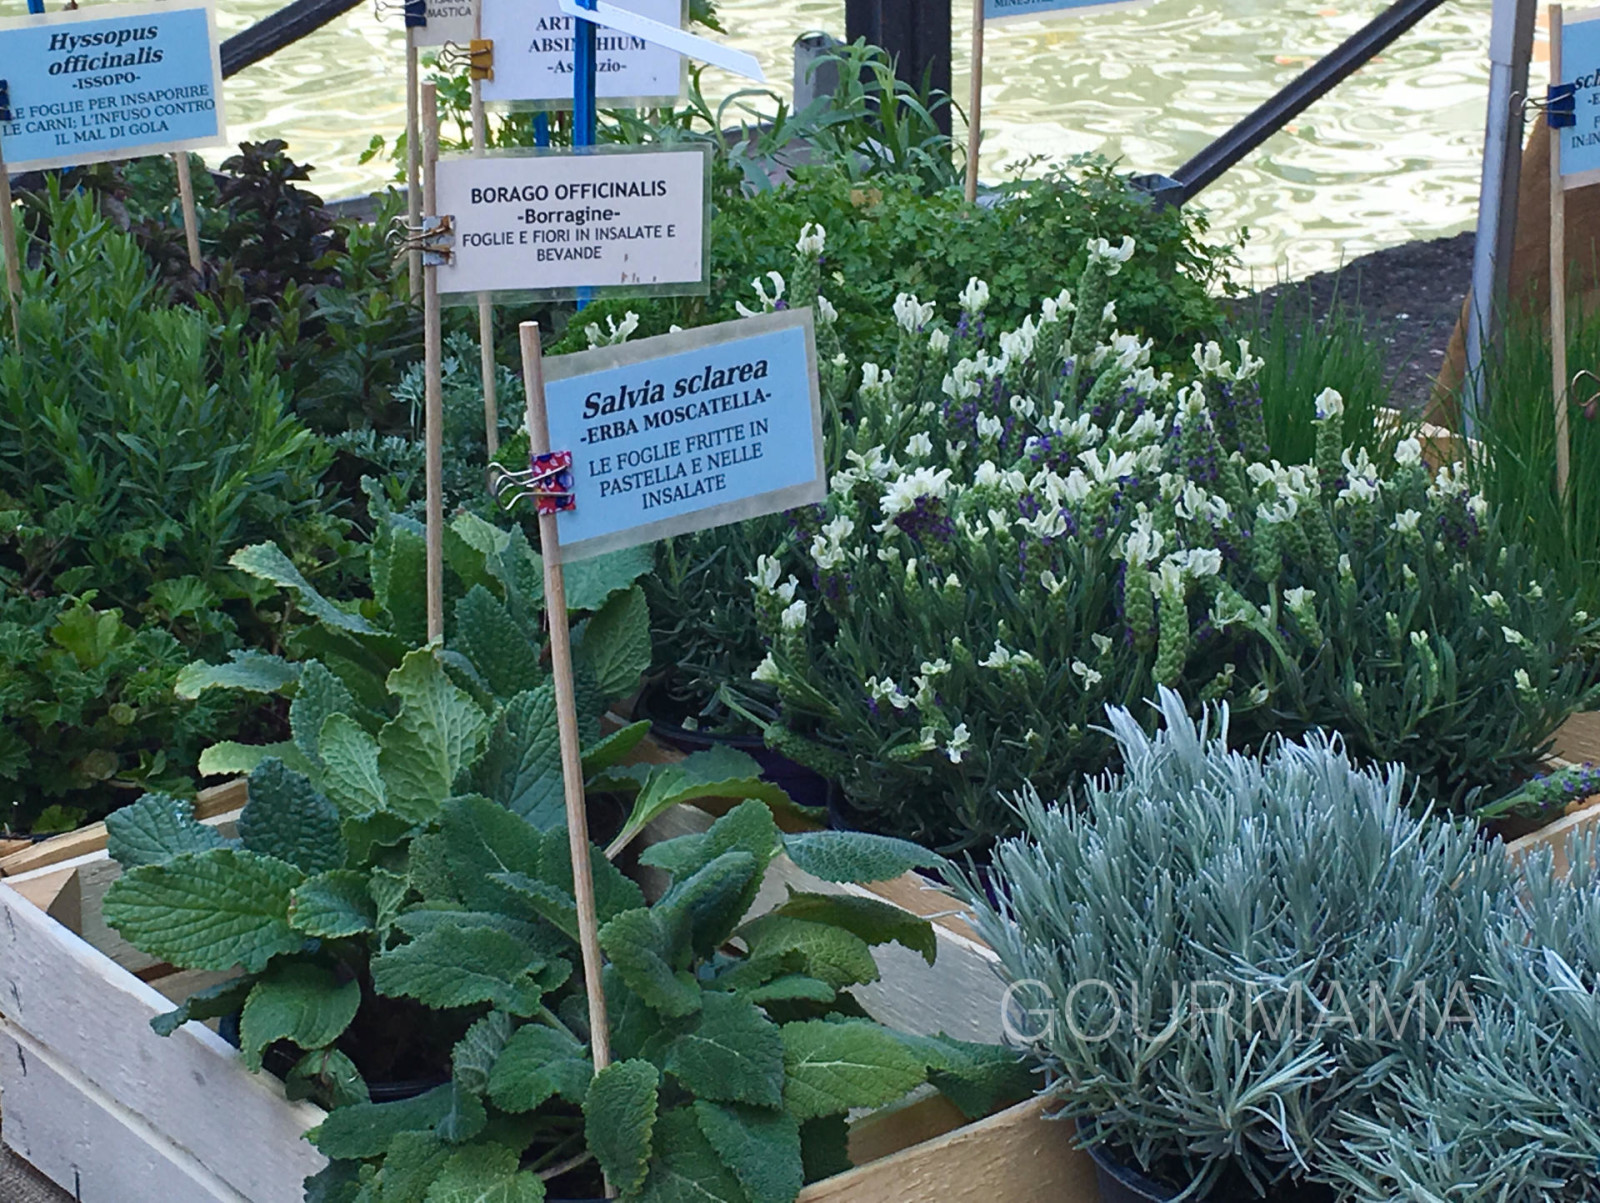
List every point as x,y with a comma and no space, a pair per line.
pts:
1555,836
1019,1156
94,1150
1578,740
93,1018
210,803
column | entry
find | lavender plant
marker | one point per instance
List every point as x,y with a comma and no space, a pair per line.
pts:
1029,525
1510,1109
1228,959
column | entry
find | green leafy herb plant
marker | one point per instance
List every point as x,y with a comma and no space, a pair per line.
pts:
398,908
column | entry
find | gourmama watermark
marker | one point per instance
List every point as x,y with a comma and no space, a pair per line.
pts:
1094,1011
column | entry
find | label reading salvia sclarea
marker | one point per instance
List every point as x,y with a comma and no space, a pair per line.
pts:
553,224
1000,10
687,431
110,82
533,52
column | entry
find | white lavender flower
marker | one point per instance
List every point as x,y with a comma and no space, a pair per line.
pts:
1112,256
938,343
1330,404
1408,453
975,296
826,313
767,573
1405,522
903,494
1090,677
1514,637
911,313
813,239
794,615
767,671
919,446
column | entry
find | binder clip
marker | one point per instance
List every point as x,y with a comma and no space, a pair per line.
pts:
477,58
5,101
1561,106
435,238
548,481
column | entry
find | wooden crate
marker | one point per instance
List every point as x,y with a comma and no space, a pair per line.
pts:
113,1113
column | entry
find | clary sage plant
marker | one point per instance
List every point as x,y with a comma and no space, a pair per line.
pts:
1026,526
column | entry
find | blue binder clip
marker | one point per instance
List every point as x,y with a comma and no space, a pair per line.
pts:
5,101
1561,106
416,14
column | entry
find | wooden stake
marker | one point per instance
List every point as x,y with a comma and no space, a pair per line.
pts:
191,220
555,595
975,102
433,394
8,232
480,144
413,159
1558,275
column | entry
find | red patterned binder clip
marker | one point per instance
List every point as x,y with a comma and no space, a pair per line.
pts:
552,482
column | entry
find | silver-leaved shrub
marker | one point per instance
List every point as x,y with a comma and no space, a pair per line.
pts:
1231,961
1031,524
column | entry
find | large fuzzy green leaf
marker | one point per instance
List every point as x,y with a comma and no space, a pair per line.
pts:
208,910
399,559
485,1173
267,561
701,912
455,966
289,818
154,829
635,942
319,695
296,1001
551,903
761,1147
505,655
329,1076
475,1054
734,1054
591,583
438,733
413,1162
250,671
832,954
333,905
537,1064
350,774
977,1078
748,827
480,840
521,770
832,1068
686,1169
873,921
229,759
616,644
619,1116
855,856
366,1129
719,772
614,747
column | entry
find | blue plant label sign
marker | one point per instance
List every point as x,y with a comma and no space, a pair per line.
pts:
1580,66
111,81
1004,10
687,431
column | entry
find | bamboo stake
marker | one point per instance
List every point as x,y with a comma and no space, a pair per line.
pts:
191,219
480,144
555,593
8,232
433,431
413,160
1558,274
975,102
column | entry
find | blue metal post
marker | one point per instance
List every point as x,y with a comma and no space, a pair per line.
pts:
541,130
36,6
584,117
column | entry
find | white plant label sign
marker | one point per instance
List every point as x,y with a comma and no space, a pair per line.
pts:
533,53
553,224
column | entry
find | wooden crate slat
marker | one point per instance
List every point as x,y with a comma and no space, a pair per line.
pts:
97,1152
93,1017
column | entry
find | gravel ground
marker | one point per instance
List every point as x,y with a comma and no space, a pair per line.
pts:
1411,296
21,1183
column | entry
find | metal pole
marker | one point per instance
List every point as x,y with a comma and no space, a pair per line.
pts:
584,117
1510,47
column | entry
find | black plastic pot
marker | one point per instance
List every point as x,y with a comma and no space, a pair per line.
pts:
1121,1183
